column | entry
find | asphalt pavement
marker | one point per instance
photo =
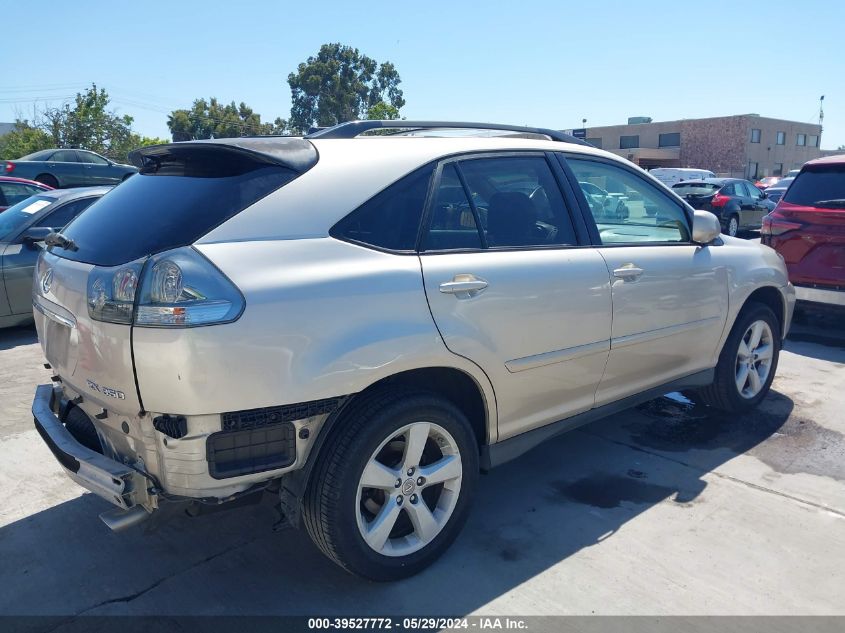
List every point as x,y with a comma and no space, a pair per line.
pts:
664,509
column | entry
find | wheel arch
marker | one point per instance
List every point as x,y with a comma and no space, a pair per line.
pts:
458,386
772,297
49,176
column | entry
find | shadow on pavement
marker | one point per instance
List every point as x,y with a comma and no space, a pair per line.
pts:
15,336
573,492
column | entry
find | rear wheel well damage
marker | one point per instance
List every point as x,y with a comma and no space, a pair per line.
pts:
452,384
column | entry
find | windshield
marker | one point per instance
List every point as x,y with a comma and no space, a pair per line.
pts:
695,189
822,187
15,217
44,154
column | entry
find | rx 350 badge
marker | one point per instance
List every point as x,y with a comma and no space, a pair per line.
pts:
106,391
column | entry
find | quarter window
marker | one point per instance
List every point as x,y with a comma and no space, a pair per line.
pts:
62,216
391,219
453,224
638,212
755,135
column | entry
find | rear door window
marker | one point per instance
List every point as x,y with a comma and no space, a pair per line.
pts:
453,224
62,216
695,189
64,156
518,202
821,186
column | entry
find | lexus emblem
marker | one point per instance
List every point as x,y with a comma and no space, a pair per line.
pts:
409,486
47,281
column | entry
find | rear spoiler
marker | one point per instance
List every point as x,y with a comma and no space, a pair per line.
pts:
291,152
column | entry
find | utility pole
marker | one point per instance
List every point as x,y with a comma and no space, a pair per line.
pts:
821,118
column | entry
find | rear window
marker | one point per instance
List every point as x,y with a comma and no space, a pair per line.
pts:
822,186
44,154
175,199
696,189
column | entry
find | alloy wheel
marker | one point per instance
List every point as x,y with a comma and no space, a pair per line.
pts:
754,359
409,489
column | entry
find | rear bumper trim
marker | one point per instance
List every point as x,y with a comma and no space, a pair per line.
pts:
117,483
817,295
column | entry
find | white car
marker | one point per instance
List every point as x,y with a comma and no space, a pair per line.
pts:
672,175
358,325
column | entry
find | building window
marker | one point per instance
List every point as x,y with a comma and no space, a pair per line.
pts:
778,169
595,142
672,139
752,170
781,140
755,135
801,139
627,142
814,141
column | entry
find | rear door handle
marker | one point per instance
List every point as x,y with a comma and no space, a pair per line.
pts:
463,286
628,272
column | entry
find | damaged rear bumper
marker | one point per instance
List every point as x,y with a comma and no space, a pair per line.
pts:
118,483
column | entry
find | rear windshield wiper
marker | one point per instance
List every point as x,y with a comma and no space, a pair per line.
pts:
835,202
57,239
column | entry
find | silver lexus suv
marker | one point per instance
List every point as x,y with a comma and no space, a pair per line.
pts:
361,320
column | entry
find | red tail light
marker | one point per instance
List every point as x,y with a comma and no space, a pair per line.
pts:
776,225
10,167
719,200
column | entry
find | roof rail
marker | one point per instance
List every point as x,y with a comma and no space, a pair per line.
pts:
351,129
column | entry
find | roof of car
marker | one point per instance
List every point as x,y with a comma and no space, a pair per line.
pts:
827,160
76,192
707,181
351,171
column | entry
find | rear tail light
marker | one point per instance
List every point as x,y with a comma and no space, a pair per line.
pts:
776,225
719,200
178,288
10,167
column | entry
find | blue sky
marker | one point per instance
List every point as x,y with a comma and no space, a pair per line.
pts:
548,64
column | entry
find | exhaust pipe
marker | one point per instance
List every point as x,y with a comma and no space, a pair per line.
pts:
119,520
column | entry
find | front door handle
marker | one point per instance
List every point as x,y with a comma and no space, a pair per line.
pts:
628,272
463,286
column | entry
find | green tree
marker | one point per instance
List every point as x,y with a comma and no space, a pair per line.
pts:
89,124
211,119
382,111
23,140
340,84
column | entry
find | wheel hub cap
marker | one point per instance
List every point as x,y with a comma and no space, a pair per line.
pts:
754,359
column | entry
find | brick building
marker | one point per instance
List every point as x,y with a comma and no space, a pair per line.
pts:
741,146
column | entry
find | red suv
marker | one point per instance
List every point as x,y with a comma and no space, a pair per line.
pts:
807,228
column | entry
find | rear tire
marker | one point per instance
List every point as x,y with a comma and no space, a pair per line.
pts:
47,179
733,226
420,456
748,361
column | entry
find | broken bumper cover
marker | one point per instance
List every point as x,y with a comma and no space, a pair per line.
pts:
115,482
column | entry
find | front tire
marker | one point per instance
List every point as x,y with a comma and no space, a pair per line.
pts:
392,487
748,361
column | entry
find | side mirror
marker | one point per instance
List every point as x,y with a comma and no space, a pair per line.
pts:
35,234
705,227
763,194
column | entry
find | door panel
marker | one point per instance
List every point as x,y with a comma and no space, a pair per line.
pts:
539,328
18,266
670,298
667,322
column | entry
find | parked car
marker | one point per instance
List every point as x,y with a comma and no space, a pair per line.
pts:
739,205
672,175
808,229
604,203
13,190
386,353
67,168
776,191
23,229
766,182
792,173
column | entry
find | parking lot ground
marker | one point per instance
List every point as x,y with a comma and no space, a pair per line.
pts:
664,509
